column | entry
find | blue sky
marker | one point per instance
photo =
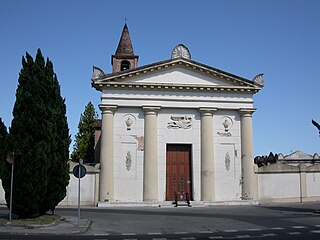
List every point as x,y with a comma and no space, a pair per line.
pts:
280,38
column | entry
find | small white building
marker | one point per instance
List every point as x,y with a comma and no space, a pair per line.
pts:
174,127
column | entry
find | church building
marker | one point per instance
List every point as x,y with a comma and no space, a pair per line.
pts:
174,129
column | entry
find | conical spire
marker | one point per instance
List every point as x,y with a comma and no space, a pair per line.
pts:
124,58
125,45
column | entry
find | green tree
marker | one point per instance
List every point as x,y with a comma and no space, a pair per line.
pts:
58,168
39,137
3,148
84,142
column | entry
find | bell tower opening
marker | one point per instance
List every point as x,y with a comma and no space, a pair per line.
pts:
124,58
125,65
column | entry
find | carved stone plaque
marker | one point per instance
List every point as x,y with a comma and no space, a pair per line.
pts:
180,122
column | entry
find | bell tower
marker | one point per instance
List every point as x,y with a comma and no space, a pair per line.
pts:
124,58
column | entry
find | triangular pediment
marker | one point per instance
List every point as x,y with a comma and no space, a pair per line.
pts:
180,73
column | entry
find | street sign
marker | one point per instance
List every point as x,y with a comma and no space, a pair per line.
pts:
82,171
10,158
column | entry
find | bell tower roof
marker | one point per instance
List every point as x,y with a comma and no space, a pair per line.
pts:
125,44
124,58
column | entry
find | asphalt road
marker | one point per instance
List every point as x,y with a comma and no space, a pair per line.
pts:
281,221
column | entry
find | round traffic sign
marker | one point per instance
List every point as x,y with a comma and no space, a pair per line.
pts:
83,171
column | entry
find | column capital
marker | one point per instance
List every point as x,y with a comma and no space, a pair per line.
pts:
247,111
151,109
108,108
210,111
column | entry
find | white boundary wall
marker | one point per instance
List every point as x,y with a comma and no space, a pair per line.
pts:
281,182
89,188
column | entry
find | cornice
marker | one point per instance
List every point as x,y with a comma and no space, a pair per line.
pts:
176,87
120,77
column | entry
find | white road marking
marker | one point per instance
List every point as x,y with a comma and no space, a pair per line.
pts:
294,233
277,228
101,234
205,232
243,236
128,234
254,229
269,234
188,238
159,238
315,231
299,227
317,225
231,231
216,237
154,233
180,233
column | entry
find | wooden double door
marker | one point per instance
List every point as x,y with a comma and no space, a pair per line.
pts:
178,172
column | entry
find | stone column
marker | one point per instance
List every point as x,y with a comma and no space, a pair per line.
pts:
150,162
249,178
107,154
207,155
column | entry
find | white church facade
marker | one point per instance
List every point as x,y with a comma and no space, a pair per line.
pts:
174,128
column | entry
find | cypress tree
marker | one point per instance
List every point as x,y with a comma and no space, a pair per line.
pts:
3,150
84,142
58,172
39,137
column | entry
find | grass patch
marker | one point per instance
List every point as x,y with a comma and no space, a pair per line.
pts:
37,221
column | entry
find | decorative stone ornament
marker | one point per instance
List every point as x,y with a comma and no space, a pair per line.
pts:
128,161
259,79
227,124
97,72
180,122
181,51
129,120
227,161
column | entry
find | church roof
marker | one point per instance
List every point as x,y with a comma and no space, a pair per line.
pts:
125,44
236,83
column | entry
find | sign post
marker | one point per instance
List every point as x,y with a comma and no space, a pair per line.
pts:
79,171
10,159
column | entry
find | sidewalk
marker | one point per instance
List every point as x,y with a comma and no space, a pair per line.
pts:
65,226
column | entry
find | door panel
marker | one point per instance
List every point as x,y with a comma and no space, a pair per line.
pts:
178,173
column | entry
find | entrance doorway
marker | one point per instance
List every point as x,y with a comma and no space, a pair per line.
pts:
178,174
